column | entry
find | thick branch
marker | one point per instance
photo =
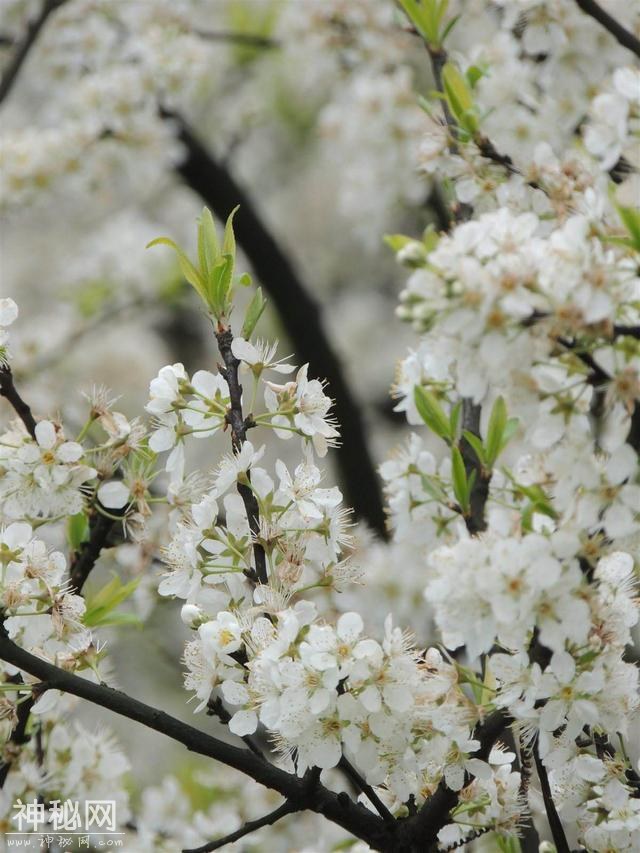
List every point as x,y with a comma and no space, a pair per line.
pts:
626,331
9,392
246,829
622,35
300,315
238,425
555,824
23,48
352,816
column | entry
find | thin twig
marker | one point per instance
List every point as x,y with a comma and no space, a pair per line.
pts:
475,521
87,555
215,707
246,829
622,35
360,783
239,427
555,824
12,69
9,392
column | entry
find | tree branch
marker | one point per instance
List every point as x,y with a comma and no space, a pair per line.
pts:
300,314
9,392
247,828
622,35
216,708
480,489
23,48
87,554
555,824
239,428
626,331
350,771
342,810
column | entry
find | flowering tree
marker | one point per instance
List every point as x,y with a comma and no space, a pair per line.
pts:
514,506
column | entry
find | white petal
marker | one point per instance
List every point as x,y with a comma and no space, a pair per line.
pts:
244,351
70,451
8,311
350,626
113,495
45,434
243,723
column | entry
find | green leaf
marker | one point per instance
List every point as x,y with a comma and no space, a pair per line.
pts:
454,419
432,413
449,27
188,270
473,74
511,428
101,605
630,217
77,530
396,241
477,446
459,479
253,314
120,618
229,242
426,16
459,98
208,237
497,423
245,280
430,238
434,488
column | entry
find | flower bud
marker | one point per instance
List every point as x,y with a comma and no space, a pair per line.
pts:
191,615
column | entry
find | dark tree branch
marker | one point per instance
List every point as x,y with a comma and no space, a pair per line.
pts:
9,392
301,315
239,427
480,490
247,828
350,771
622,35
87,555
12,69
351,816
555,824
216,708
626,331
